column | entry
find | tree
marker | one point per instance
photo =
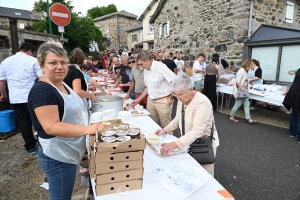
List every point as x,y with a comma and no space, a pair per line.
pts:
80,31
40,6
101,11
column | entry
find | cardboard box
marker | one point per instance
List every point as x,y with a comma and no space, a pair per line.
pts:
116,147
119,176
105,168
92,173
118,157
92,140
112,188
92,164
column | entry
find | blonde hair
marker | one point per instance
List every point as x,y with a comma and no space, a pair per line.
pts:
51,46
247,63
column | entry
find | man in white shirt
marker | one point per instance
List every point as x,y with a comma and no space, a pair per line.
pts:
157,81
199,71
179,62
20,72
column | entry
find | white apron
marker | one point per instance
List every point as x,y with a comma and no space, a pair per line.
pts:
251,74
85,110
67,150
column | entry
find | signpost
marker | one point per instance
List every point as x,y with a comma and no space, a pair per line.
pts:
61,16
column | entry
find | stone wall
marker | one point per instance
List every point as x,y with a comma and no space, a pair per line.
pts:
131,43
23,35
206,26
117,30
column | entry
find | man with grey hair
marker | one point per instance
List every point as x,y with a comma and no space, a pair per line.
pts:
179,62
170,63
159,57
157,81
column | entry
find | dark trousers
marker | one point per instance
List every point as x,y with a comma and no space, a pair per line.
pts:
210,89
25,125
295,125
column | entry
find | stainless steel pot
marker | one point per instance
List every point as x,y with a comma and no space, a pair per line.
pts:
107,102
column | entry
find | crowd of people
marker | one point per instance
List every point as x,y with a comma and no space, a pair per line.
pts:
51,93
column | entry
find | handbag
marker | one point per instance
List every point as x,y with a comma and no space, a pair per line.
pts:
242,94
201,149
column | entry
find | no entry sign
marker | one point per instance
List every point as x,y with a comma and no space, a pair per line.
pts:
60,14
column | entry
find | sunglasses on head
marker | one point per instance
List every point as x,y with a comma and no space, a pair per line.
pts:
131,61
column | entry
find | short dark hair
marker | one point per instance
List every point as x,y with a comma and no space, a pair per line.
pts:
201,54
94,59
215,59
76,56
26,46
83,67
144,56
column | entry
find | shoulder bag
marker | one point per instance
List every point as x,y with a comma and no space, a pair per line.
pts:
201,149
242,94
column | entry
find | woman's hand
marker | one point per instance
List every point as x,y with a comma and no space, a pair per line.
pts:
92,129
92,88
93,97
166,148
160,132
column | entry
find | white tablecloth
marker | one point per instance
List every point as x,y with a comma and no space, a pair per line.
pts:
271,97
151,188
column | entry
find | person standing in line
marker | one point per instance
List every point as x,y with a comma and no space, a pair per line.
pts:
199,71
138,82
242,83
170,63
180,63
124,73
157,80
160,57
20,72
292,101
212,78
55,111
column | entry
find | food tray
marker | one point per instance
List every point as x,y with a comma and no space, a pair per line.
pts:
259,93
183,179
168,137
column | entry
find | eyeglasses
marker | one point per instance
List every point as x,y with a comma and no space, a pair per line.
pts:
55,64
131,61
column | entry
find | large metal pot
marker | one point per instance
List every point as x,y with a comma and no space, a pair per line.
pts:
107,102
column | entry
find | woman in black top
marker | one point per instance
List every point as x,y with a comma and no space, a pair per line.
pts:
255,77
292,100
77,82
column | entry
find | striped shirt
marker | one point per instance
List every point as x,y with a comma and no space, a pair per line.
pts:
158,80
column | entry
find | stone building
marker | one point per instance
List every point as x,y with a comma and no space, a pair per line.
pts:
24,18
148,28
223,27
135,37
114,27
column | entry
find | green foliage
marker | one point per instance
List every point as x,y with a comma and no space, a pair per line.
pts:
80,31
101,11
40,6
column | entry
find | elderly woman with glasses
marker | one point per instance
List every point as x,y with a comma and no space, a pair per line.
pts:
198,117
55,111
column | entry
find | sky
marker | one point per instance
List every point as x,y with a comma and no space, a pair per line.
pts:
133,6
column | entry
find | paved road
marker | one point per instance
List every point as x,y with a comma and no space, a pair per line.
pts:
257,162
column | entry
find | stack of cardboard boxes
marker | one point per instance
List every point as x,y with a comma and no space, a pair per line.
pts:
116,164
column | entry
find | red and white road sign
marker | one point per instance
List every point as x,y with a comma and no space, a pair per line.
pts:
60,14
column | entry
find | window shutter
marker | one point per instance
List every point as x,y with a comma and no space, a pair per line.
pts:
160,31
289,14
168,29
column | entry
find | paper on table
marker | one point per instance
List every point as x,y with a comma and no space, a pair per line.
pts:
45,185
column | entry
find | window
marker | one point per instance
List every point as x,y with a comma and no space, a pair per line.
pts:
18,13
3,42
289,13
269,58
134,38
151,28
288,62
107,29
21,25
164,30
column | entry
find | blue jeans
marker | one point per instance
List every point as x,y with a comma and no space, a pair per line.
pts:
253,102
295,124
61,176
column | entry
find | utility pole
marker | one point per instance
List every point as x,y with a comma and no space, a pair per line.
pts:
49,20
